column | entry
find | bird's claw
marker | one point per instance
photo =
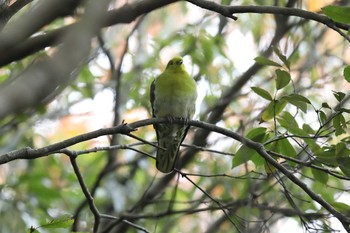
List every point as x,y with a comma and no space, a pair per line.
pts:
170,119
185,120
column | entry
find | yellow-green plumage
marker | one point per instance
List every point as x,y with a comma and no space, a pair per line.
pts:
173,95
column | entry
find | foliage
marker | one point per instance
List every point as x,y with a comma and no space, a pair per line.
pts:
271,147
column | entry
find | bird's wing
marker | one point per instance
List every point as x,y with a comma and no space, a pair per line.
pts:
152,95
152,98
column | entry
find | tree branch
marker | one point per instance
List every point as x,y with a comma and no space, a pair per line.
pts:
43,79
130,12
44,13
287,11
124,14
8,12
86,192
29,153
127,128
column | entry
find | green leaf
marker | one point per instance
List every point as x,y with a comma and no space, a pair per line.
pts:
282,57
325,193
320,176
325,105
327,155
282,146
347,73
87,78
298,101
265,61
286,148
339,95
307,128
65,221
207,47
300,105
343,157
344,110
341,207
323,117
258,161
245,153
346,140
300,98
257,134
337,13
339,124
261,92
283,78
288,122
273,109
344,167
269,168
341,150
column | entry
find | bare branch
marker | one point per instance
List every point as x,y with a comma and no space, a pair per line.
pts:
127,128
125,221
28,153
11,10
287,11
40,81
124,14
130,12
184,175
86,192
44,13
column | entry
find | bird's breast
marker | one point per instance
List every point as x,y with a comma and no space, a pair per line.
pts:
175,98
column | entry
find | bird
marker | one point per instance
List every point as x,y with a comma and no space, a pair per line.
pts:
173,94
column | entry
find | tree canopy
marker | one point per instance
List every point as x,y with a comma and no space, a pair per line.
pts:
267,151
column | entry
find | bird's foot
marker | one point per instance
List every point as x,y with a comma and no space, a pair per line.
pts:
170,119
185,120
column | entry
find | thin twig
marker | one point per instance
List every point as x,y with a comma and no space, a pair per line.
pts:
125,221
86,192
210,197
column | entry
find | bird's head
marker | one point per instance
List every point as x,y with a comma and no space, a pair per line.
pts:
175,64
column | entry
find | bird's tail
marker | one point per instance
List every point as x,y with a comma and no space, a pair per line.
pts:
166,158
169,141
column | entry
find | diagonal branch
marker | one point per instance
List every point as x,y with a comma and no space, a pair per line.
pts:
23,27
124,14
41,80
184,175
8,12
86,192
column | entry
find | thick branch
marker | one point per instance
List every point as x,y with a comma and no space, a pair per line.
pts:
124,14
10,11
127,128
130,12
29,153
287,11
44,78
44,13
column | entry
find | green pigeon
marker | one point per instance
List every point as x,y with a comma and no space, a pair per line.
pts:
173,95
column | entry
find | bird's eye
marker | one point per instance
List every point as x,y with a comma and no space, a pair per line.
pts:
171,63
179,62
